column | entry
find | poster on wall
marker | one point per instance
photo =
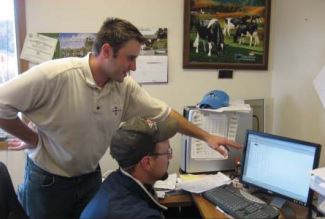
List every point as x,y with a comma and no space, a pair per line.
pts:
226,34
72,44
152,62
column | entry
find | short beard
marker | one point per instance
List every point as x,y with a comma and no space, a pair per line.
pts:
164,177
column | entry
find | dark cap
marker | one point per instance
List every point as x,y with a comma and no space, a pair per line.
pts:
138,137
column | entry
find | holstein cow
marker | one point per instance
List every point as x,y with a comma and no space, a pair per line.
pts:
231,24
228,26
247,29
209,30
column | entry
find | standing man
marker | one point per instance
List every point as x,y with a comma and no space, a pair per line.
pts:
141,148
76,105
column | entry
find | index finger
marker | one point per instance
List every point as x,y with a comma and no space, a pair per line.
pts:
13,141
234,144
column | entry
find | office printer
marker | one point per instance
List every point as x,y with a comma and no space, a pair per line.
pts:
196,155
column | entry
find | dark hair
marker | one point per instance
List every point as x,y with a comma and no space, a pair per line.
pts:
130,169
116,32
129,147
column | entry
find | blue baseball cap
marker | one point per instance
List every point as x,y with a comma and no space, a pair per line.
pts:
214,100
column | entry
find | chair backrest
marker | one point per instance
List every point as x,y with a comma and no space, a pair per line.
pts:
9,205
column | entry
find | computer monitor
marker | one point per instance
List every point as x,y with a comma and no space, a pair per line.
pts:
280,166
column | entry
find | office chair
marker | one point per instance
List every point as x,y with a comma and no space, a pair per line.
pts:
10,207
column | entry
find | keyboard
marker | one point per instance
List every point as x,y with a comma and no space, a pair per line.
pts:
232,202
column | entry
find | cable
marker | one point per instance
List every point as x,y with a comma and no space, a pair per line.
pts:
258,122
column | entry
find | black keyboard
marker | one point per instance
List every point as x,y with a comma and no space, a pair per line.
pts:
232,202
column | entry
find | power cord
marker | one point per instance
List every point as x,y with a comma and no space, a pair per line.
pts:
257,122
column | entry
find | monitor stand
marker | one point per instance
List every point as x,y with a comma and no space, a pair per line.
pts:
281,204
277,202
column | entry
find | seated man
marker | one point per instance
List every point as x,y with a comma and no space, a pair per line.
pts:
141,148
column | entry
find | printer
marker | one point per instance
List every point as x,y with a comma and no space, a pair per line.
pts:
196,155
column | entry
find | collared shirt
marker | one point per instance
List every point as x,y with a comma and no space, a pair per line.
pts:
75,118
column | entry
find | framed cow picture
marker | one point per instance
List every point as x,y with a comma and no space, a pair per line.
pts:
226,34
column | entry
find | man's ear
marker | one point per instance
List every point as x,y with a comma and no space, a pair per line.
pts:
145,162
106,50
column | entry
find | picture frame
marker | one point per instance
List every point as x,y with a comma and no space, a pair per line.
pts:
230,34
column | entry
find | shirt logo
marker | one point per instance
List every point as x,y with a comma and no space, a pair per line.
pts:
116,110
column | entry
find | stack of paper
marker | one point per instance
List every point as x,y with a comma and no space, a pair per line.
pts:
168,184
204,183
163,186
237,106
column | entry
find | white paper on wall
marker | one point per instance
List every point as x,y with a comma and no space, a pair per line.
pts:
38,48
319,84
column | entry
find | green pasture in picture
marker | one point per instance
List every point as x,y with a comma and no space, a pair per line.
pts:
231,50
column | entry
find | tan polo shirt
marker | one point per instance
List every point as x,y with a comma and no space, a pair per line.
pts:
74,117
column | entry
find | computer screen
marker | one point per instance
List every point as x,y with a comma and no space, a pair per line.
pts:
279,165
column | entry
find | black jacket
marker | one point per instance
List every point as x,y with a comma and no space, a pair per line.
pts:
121,197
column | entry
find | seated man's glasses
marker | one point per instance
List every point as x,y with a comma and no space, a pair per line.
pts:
169,153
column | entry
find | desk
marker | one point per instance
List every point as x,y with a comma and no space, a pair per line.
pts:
208,210
3,145
178,200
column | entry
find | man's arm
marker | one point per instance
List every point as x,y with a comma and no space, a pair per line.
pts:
187,128
27,137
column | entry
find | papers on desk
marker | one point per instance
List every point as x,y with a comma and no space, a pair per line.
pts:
204,183
168,184
163,186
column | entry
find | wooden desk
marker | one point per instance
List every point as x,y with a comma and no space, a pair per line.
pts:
206,209
3,145
178,200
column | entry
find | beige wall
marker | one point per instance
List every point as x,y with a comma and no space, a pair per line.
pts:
296,54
